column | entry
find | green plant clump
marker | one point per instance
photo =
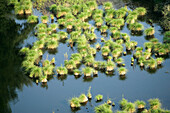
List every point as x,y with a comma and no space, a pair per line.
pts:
32,19
99,97
104,108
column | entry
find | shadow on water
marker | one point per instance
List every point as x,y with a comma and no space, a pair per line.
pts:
11,76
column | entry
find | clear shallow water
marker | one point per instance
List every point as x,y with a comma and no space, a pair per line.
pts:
30,98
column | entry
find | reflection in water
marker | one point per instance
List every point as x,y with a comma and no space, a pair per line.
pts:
87,79
11,76
122,77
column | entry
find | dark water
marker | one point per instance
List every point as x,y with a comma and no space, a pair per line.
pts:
19,94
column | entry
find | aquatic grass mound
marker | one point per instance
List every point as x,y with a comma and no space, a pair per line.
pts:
149,31
73,29
110,66
88,71
126,107
62,70
154,103
122,70
22,7
136,27
75,102
166,38
141,11
99,97
104,108
77,72
32,19
109,101
140,104
44,19
83,98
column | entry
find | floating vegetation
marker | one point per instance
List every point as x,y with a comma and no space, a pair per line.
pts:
32,19
122,71
149,31
73,27
140,104
99,97
125,105
104,108
22,7
75,102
